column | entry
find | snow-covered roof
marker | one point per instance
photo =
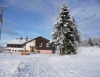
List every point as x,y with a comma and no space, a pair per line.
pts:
19,41
23,40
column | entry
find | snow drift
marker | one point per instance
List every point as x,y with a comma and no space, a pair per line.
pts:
86,63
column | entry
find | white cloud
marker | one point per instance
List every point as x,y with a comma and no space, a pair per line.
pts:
49,10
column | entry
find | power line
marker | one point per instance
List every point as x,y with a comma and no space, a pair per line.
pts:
86,18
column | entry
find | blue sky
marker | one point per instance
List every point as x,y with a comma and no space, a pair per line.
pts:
34,18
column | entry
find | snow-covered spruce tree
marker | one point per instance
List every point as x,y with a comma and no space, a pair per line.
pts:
64,34
76,32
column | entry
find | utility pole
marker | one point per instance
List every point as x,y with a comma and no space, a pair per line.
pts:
25,43
1,19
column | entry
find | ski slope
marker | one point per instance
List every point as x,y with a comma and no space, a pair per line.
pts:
86,63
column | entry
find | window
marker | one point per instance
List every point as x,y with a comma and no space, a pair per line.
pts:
41,45
47,44
7,49
18,46
19,50
15,50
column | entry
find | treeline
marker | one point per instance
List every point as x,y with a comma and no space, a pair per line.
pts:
91,42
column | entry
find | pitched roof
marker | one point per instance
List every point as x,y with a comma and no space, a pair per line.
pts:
23,41
41,37
19,41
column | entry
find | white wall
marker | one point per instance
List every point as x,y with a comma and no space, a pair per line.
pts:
14,50
32,43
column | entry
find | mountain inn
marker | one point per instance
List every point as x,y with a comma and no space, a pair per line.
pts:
38,44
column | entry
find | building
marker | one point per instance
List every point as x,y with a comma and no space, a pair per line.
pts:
39,44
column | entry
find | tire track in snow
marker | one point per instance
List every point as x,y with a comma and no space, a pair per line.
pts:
34,70
69,73
25,69
37,67
48,69
75,73
57,71
63,74
32,67
45,70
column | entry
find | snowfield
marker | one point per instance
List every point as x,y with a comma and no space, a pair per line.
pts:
86,63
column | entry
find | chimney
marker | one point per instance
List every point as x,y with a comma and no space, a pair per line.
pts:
21,38
26,38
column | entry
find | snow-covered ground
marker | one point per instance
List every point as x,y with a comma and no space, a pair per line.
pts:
1,49
86,63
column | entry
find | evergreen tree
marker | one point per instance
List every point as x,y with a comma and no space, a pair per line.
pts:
90,42
76,32
65,32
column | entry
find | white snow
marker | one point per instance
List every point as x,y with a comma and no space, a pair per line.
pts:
18,41
86,63
65,25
